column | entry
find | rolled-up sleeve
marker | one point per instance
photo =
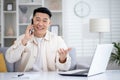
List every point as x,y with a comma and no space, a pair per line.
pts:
14,52
62,66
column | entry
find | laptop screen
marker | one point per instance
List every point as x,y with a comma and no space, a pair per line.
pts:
100,59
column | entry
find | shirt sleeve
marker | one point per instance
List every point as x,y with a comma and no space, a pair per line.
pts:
14,52
63,66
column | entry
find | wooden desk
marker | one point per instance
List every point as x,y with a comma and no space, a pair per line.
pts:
108,75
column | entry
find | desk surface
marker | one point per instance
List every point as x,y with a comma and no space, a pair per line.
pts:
108,75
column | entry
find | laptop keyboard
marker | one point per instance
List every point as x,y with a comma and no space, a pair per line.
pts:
77,71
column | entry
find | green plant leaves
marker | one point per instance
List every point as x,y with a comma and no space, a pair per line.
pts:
115,56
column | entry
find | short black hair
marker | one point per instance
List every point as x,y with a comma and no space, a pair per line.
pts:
43,10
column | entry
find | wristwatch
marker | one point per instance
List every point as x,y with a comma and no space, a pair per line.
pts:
82,9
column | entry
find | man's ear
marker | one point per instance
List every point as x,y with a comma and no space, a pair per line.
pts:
50,22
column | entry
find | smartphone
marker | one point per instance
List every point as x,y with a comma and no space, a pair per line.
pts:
31,30
31,21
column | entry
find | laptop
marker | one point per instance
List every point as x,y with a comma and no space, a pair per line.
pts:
98,65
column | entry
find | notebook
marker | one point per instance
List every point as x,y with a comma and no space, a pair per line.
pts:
98,65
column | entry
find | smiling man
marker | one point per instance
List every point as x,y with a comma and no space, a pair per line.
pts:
38,49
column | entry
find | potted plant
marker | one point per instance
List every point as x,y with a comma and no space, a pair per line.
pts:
115,56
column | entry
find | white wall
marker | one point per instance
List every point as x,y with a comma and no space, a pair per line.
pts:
76,30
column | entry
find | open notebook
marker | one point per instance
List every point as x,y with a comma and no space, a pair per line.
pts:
98,65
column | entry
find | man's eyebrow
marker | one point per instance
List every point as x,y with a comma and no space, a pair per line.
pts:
37,17
43,18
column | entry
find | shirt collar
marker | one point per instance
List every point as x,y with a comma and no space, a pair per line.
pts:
47,37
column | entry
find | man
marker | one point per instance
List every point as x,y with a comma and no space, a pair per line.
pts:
38,49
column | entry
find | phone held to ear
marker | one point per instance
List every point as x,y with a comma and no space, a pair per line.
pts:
31,31
31,21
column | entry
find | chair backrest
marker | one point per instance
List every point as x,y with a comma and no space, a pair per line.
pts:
3,67
72,54
10,66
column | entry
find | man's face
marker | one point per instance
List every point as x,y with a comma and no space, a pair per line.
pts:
41,22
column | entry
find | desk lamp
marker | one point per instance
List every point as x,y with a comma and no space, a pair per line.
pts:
99,25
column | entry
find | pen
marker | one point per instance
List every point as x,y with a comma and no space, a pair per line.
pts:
19,75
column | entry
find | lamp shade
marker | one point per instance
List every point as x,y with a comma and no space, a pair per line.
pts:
99,25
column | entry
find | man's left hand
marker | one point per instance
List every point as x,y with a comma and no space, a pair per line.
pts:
63,54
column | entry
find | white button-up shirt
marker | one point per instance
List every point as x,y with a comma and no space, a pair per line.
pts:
27,55
38,62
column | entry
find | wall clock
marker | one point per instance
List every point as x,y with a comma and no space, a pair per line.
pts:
82,9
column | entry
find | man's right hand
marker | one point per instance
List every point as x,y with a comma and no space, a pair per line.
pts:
28,34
